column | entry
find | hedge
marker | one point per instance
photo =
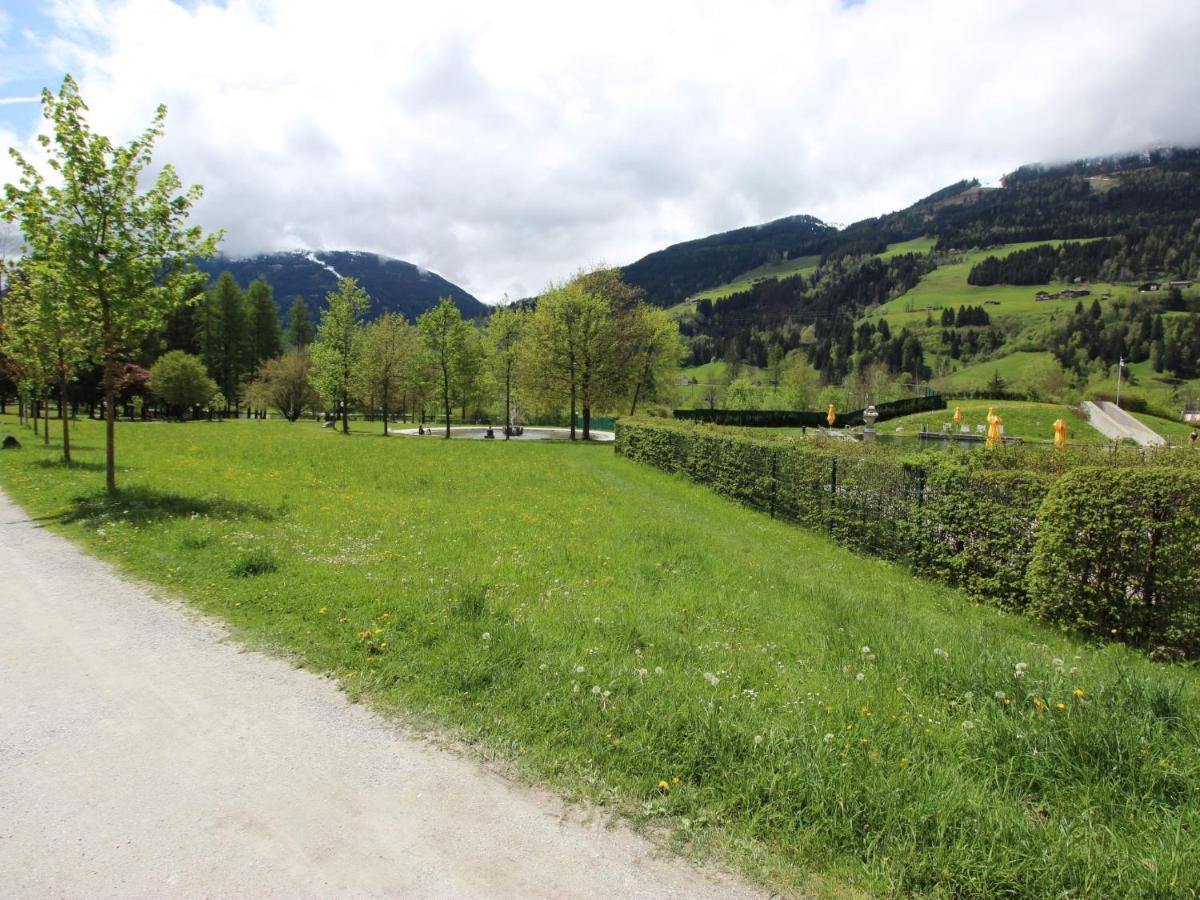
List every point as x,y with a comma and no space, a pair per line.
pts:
787,418
1116,555
1097,548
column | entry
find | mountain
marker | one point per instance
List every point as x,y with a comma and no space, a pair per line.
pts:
394,285
668,276
1150,198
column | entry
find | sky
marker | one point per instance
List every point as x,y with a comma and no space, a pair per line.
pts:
505,145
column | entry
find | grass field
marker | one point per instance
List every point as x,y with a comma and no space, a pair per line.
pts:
946,287
916,245
824,721
782,269
1021,370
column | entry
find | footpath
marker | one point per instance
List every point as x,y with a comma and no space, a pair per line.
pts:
144,753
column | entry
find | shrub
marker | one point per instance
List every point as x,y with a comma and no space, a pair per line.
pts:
1115,555
976,530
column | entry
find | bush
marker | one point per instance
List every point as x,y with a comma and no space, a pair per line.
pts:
181,381
1115,555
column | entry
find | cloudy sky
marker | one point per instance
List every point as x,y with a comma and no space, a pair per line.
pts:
506,144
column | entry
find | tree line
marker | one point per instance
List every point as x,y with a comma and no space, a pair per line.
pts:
108,278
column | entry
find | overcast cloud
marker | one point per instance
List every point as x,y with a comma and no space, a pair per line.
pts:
506,144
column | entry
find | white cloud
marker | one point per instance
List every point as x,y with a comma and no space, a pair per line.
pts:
502,145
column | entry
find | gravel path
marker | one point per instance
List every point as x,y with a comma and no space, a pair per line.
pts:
142,753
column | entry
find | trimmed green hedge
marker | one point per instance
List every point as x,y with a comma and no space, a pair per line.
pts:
1116,555
787,418
1099,547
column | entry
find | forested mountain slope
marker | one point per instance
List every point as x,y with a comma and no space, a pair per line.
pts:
394,285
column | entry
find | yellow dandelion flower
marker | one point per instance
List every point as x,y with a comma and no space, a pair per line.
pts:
675,780
663,786
321,611
1078,692
1060,705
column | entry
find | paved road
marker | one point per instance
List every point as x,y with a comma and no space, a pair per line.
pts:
144,754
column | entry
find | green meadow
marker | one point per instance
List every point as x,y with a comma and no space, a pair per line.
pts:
782,269
946,287
746,690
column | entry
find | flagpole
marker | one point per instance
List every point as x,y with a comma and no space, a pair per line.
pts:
1120,366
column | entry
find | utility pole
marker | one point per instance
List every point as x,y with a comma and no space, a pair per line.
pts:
1120,366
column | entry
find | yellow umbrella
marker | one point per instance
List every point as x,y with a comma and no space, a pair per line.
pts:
1060,433
958,416
993,432
831,416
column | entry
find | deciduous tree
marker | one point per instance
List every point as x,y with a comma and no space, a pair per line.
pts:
337,350
446,340
122,250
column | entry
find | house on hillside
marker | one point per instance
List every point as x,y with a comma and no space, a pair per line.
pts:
1149,286
1181,285
1076,293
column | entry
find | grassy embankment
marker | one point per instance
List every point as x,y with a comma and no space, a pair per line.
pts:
824,721
1032,421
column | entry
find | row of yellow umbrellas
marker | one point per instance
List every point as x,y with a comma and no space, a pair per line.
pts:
994,437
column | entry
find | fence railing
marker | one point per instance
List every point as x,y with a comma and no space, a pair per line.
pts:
965,521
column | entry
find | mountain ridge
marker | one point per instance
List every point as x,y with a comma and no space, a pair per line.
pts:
394,285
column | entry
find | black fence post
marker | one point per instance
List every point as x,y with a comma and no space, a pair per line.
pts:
832,491
774,478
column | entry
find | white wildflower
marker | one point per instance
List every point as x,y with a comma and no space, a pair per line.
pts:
829,738
938,651
758,739
487,635
1000,695
595,688
859,677
712,679
579,670
658,670
968,725
866,650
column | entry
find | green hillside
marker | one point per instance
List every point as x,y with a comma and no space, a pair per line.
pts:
783,269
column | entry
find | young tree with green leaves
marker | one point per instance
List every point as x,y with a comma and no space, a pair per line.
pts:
391,348
656,350
124,254
300,331
446,339
181,381
577,344
46,335
285,383
337,350
502,339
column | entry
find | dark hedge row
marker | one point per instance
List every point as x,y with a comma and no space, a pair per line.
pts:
786,418
1100,546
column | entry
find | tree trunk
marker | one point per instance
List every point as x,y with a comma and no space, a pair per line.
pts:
446,394
385,410
35,414
46,419
110,433
507,402
345,414
587,422
62,405
573,389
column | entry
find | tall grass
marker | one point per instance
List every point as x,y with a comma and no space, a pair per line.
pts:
823,720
